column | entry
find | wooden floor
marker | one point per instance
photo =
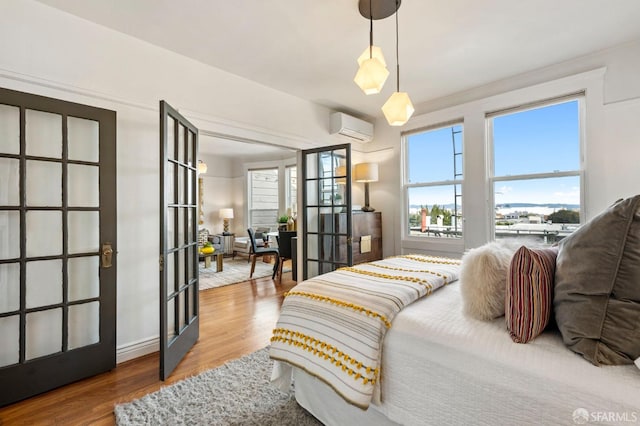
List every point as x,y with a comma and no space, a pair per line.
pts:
234,321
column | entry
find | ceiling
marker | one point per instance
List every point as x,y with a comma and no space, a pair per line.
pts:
308,48
235,148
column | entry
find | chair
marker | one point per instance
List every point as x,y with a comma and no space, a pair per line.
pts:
284,248
242,245
261,251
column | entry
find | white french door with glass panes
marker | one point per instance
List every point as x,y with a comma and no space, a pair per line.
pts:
537,169
57,243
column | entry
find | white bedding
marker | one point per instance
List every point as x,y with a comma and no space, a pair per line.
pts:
333,325
439,367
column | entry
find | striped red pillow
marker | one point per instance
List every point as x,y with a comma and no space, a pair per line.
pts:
529,295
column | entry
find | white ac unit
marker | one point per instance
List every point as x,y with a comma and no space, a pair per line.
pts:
351,127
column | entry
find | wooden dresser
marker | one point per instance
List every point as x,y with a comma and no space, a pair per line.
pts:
365,226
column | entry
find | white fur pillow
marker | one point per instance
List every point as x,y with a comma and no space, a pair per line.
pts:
483,278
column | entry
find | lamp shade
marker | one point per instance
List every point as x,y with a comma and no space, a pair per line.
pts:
226,214
374,52
398,109
202,167
371,76
366,172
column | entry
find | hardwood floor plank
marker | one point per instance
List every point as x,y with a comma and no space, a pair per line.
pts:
235,320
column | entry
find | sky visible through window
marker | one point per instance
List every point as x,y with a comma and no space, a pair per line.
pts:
431,155
541,140
431,159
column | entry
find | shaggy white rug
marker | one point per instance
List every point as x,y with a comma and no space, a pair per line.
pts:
237,393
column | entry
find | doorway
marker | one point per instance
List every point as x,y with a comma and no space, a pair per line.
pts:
226,190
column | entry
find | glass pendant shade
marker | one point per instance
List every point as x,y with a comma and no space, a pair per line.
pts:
371,76
398,109
374,52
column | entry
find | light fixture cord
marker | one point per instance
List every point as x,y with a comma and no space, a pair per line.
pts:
397,54
370,31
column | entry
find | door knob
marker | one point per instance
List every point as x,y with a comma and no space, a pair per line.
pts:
107,255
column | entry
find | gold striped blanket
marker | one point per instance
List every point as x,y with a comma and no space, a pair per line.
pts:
333,325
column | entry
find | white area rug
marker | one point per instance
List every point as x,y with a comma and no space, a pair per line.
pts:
237,393
233,271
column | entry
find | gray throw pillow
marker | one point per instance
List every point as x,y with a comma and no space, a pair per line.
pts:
597,286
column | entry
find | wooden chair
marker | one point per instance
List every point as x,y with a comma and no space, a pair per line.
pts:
284,247
261,251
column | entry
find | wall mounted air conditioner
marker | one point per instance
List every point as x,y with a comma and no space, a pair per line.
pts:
351,127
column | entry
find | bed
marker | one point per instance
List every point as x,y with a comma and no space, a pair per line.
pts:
437,366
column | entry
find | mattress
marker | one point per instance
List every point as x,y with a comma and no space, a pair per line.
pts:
440,367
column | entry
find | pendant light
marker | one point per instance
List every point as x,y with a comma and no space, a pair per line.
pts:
202,167
398,108
373,71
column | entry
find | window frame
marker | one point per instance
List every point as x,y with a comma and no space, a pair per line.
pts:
290,192
472,109
492,179
249,172
281,166
406,185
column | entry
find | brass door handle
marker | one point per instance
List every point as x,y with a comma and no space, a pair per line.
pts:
107,255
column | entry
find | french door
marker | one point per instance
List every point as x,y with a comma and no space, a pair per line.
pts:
326,194
57,243
179,317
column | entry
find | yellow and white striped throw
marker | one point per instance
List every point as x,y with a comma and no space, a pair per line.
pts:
333,325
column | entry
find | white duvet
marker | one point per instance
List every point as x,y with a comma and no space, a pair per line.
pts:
440,367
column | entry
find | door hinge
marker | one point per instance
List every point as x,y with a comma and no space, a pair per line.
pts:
161,261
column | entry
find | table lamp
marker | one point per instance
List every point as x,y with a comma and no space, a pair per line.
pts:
225,215
366,172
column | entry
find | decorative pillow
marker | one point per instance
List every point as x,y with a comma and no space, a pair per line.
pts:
597,290
483,279
529,293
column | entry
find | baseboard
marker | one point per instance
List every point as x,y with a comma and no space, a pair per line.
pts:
137,349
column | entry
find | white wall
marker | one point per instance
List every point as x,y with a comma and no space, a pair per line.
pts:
620,153
51,53
218,191
612,147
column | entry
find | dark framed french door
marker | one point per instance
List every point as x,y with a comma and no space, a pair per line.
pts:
179,303
326,194
57,243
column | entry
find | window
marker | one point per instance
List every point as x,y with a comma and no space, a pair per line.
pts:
263,197
537,170
433,181
291,189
